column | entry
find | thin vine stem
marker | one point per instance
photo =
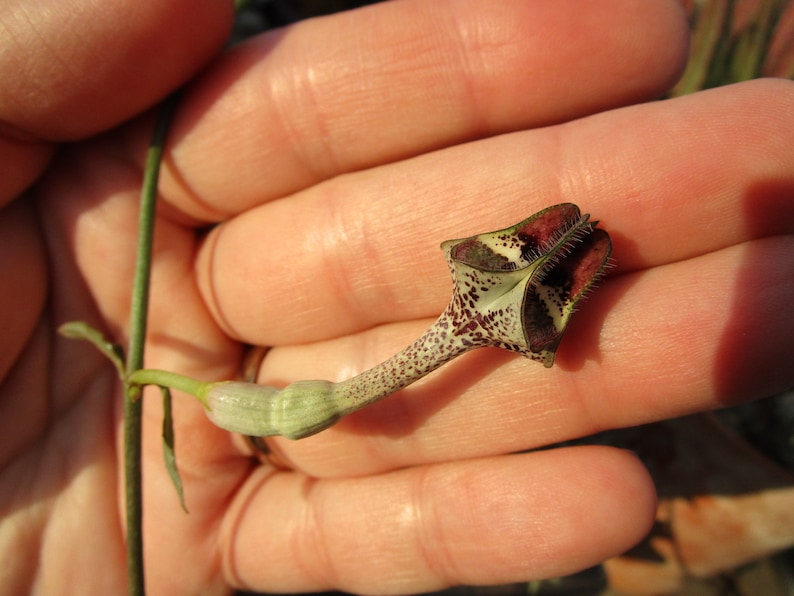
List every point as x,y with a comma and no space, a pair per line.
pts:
135,351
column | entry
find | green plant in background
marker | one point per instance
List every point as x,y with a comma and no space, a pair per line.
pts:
731,41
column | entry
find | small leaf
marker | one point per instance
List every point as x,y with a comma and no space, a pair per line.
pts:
168,446
82,330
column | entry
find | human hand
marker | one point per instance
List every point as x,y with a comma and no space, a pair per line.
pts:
336,155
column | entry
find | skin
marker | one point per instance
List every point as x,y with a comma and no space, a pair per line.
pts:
335,156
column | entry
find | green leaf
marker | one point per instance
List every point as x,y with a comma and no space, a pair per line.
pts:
82,330
168,446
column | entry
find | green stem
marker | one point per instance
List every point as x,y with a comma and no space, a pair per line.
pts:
164,378
139,309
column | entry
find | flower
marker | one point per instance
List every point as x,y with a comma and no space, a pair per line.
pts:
514,289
